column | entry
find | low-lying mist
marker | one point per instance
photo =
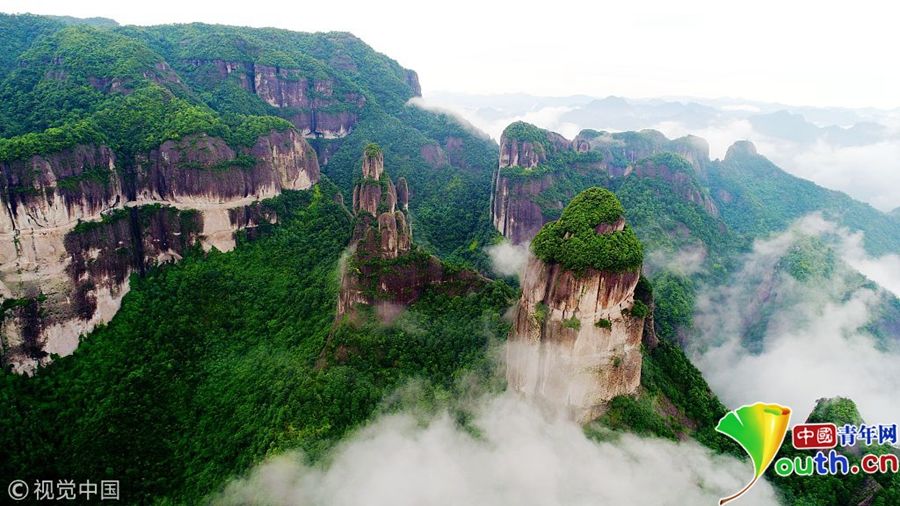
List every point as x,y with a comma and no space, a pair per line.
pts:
511,453
815,341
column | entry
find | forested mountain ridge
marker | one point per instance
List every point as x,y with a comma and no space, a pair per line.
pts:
541,170
101,122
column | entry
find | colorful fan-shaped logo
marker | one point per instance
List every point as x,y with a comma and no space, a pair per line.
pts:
759,429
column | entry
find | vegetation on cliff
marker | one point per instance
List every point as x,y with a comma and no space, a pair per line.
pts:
573,242
555,158
526,132
210,365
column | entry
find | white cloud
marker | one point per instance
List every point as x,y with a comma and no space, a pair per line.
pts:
520,457
720,135
884,270
508,259
462,119
685,261
870,173
813,345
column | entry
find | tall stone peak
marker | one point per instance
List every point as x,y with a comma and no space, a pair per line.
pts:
375,193
578,327
382,229
385,268
373,162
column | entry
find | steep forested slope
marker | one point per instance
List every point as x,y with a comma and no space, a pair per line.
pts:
212,364
757,197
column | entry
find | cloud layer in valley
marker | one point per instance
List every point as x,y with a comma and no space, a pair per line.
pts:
814,343
516,456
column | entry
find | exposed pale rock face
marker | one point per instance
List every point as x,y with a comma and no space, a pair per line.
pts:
80,274
577,365
321,111
434,155
373,165
403,193
412,79
201,170
367,197
395,236
693,149
514,211
376,195
741,148
517,153
54,190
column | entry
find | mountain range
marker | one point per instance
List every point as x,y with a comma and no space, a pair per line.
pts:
222,243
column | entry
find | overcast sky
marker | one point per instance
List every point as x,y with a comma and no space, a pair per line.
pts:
796,52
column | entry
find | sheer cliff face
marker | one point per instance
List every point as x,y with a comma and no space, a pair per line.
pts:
576,337
514,211
75,224
84,183
546,157
578,365
204,171
321,111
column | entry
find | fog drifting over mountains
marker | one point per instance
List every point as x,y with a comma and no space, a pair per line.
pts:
856,151
815,342
512,453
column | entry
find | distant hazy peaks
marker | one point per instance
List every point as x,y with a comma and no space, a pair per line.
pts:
741,148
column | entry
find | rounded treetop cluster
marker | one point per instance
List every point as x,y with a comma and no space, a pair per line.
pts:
372,150
522,131
572,241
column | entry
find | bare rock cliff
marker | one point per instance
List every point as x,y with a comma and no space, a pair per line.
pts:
318,108
75,224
